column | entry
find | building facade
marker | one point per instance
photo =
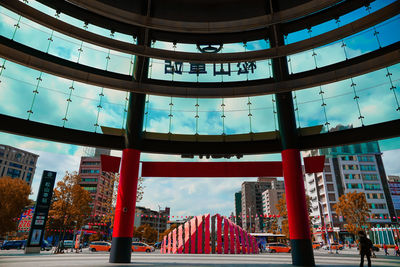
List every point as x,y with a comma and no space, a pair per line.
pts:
238,208
156,219
270,197
349,168
17,163
394,187
98,183
252,204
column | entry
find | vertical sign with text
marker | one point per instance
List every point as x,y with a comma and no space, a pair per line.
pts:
39,219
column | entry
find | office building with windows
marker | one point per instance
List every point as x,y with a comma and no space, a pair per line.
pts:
394,187
349,168
252,204
271,197
158,220
17,163
100,184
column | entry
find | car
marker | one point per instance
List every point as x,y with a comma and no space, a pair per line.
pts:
141,247
100,246
13,244
278,247
46,246
157,245
334,246
316,245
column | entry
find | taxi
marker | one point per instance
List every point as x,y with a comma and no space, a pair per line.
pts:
336,246
278,247
141,247
316,245
100,246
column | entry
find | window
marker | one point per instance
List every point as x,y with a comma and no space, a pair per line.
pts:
13,173
91,189
330,187
28,176
15,165
32,162
30,169
367,167
328,177
90,171
89,179
375,196
350,167
370,177
348,158
365,158
327,169
331,197
372,186
353,186
90,163
351,176
377,206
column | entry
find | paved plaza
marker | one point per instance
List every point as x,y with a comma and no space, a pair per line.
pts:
322,258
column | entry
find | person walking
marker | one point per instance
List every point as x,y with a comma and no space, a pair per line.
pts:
396,250
385,249
365,248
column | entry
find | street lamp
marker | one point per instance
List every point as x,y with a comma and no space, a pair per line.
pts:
326,231
250,217
159,218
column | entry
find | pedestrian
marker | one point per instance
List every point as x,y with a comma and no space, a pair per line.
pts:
396,250
365,248
385,249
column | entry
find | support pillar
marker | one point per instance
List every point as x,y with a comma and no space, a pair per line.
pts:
121,248
299,226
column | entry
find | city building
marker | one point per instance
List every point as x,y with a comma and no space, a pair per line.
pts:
394,187
252,204
156,219
100,184
270,197
348,168
238,208
17,163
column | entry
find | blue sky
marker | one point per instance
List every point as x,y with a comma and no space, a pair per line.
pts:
376,101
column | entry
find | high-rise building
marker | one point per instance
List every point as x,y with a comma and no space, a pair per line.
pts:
349,168
156,219
238,208
100,184
394,187
17,163
270,197
252,203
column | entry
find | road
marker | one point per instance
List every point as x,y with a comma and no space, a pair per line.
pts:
87,258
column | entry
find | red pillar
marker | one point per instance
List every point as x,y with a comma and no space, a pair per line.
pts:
121,248
299,226
219,234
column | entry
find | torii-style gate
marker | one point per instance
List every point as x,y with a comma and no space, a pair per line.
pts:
129,173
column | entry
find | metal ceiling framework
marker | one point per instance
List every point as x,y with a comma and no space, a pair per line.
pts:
146,21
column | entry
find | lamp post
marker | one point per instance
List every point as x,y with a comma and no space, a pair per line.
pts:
326,231
250,217
159,218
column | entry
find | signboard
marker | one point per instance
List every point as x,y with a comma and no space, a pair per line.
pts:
395,192
25,220
43,201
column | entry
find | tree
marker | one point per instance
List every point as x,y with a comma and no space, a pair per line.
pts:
282,210
14,195
70,203
354,208
149,234
110,203
166,232
271,225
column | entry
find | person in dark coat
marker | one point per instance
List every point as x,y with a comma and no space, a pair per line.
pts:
365,246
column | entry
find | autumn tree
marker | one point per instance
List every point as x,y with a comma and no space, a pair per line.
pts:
282,210
354,208
166,232
271,225
110,202
14,195
70,203
149,234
